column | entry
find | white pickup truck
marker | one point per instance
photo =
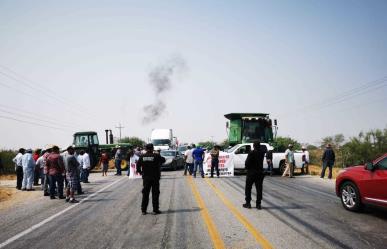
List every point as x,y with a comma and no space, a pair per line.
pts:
239,152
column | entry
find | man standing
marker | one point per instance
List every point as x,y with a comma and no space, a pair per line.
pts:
19,168
28,170
71,166
188,161
215,160
305,161
55,171
118,160
35,156
198,155
289,160
85,167
104,161
149,167
255,175
328,160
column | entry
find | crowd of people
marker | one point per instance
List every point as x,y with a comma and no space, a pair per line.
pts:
60,174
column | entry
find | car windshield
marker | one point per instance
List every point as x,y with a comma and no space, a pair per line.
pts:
183,148
168,153
160,142
232,149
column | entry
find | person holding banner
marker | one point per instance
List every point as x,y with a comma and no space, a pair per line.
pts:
255,174
198,155
215,160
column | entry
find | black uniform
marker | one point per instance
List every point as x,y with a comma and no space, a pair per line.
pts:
255,174
149,166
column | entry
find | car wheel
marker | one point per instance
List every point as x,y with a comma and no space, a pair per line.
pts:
174,165
350,196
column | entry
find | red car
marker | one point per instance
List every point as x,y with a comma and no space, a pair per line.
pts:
365,184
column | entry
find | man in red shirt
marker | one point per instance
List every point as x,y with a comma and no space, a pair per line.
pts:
55,171
104,161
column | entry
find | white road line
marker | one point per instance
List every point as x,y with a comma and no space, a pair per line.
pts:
34,227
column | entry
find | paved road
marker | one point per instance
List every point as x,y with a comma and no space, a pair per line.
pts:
197,213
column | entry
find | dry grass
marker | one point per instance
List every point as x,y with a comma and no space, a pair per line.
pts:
8,177
316,170
5,194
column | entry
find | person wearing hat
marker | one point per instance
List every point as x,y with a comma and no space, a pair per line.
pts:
55,171
28,170
149,166
19,168
328,160
118,160
305,161
45,181
289,160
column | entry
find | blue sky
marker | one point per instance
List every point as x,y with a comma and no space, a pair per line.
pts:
279,57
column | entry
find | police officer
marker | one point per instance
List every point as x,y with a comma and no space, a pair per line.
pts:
149,166
255,174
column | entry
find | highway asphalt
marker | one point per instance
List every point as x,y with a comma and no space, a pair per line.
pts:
301,212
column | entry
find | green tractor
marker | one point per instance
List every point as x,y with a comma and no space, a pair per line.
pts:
250,127
88,141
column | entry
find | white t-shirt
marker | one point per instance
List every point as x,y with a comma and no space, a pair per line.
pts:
306,153
289,154
85,161
189,157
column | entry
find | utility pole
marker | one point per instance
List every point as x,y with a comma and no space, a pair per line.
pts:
120,128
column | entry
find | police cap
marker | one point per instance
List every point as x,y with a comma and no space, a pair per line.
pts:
149,147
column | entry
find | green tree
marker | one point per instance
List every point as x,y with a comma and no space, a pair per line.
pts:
134,141
206,144
282,143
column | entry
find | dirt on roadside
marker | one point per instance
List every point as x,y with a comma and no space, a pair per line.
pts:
10,196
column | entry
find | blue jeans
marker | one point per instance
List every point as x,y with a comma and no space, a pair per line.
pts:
85,175
200,164
118,166
325,165
56,179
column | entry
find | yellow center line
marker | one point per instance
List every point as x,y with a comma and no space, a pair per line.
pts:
214,234
257,235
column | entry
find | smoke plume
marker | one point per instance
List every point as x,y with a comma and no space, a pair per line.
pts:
161,79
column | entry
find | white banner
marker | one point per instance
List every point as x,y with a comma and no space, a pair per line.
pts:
133,172
226,166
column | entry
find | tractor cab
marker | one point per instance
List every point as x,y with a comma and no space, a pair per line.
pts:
249,127
87,141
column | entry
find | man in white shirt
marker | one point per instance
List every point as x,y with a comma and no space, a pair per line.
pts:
289,160
85,166
19,168
28,170
188,161
305,161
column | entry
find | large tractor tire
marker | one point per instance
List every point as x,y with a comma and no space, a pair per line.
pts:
124,165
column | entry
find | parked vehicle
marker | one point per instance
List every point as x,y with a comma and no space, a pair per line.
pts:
182,149
239,152
89,142
363,185
173,159
162,139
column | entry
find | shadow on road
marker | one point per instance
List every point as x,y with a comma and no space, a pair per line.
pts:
100,200
170,211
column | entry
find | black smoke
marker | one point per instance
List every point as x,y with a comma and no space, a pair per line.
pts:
161,79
